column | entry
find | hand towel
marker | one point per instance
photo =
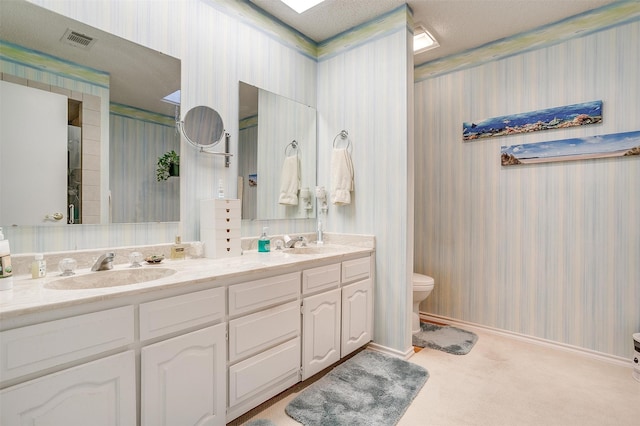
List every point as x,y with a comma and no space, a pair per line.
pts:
341,176
290,181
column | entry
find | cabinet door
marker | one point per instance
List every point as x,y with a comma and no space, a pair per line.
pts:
357,316
101,392
320,331
184,380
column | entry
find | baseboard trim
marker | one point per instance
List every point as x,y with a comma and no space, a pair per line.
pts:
588,353
390,351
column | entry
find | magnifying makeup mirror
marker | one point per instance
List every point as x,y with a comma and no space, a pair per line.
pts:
203,128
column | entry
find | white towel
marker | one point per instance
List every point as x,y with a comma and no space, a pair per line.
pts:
290,181
341,176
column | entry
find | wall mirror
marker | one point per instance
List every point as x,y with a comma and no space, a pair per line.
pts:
112,90
272,128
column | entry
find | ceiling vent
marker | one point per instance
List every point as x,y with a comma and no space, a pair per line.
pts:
77,39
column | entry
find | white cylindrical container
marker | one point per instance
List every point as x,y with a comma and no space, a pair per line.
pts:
636,356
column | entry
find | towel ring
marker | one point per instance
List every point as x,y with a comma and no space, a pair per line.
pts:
343,135
294,147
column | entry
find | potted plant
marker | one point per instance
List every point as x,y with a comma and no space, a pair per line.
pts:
168,165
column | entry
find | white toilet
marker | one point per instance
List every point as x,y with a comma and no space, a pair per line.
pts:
422,286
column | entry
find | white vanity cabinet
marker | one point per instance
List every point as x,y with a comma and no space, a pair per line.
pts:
357,305
320,318
99,392
264,340
183,378
203,351
337,312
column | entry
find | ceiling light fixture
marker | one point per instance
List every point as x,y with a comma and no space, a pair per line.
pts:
423,40
301,5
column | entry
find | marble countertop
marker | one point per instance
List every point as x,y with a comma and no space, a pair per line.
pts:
32,295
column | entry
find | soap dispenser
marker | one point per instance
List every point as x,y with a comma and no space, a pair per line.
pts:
264,243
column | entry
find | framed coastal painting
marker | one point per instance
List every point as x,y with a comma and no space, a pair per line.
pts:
534,121
613,145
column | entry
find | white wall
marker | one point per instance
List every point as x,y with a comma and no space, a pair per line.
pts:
363,90
548,250
219,43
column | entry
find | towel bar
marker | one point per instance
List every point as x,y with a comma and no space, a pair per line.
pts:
343,135
294,147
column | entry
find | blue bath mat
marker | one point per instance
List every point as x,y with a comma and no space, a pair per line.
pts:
370,389
445,338
260,422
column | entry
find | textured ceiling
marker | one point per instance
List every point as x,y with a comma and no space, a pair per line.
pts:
127,63
458,25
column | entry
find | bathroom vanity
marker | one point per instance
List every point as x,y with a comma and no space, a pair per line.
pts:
204,345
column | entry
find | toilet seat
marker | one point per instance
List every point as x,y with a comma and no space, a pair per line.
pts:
422,282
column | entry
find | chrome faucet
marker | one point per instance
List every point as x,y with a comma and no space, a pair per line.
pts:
291,242
104,262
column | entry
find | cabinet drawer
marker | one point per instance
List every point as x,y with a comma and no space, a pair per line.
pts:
212,205
217,213
357,269
177,313
29,349
258,374
321,278
212,234
260,294
224,246
231,223
253,333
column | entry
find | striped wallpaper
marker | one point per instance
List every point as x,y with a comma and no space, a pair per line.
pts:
547,250
363,90
218,43
281,121
538,250
247,164
136,142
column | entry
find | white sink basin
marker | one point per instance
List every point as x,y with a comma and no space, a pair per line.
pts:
103,279
312,250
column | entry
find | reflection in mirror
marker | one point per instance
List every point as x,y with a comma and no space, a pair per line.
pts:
118,125
269,123
203,126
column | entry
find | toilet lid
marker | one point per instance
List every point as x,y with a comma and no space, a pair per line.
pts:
420,280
